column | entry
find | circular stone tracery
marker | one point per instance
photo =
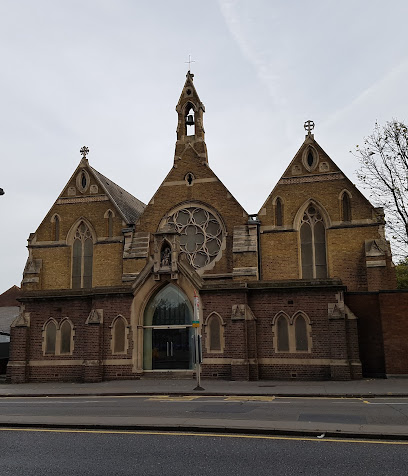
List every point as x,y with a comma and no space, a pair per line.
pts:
201,234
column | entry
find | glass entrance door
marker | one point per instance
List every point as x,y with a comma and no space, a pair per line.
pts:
167,330
170,349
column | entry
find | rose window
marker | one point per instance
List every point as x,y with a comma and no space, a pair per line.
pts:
201,234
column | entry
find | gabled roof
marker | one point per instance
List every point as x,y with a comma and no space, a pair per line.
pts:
130,207
9,297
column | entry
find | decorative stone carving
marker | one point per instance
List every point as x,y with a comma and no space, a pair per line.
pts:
71,191
337,310
93,188
242,312
23,319
324,167
95,317
296,169
165,257
166,250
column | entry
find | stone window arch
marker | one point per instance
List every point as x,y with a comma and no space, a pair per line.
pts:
313,243
50,337
58,338
66,337
302,329
310,158
291,334
345,200
281,332
278,212
83,181
119,331
189,118
214,333
82,238
56,220
109,215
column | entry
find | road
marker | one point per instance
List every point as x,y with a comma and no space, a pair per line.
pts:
267,412
73,452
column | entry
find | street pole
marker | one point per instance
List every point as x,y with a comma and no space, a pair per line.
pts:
197,341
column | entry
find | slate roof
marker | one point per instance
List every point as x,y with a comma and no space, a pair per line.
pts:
130,207
7,316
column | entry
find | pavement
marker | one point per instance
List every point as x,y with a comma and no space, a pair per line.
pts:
391,388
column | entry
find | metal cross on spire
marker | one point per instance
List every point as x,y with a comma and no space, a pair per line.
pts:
84,151
309,126
189,62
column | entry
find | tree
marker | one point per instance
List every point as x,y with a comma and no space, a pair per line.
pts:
384,170
402,274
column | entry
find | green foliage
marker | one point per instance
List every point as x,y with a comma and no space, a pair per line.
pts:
402,274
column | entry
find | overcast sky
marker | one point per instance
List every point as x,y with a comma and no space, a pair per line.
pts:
108,74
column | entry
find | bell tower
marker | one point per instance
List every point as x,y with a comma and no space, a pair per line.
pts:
190,128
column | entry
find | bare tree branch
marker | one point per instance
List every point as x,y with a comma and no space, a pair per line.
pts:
384,171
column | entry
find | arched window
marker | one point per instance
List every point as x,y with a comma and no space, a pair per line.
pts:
292,334
313,244
110,224
278,212
346,207
190,120
50,337
56,227
214,333
119,335
283,334
301,334
66,337
82,257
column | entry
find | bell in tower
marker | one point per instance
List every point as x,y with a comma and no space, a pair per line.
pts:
190,129
190,120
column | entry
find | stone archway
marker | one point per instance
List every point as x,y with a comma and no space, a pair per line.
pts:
167,331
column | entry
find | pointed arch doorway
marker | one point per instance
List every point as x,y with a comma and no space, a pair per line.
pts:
167,331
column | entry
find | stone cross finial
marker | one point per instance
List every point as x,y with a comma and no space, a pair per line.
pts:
309,126
84,151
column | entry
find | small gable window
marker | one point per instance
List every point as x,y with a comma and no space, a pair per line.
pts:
278,212
83,181
310,158
55,220
346,207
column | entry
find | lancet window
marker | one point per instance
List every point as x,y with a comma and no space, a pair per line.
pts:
313,244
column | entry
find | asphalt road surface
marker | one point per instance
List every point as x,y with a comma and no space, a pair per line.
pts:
375,411
73,452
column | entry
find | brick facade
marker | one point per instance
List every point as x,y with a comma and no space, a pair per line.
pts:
248,271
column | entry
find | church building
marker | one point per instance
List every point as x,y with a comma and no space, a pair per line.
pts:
301,290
